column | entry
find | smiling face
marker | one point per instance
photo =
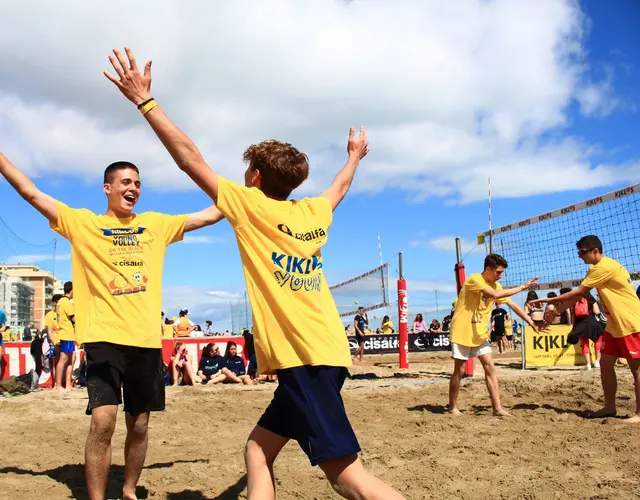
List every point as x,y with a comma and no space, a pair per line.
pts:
123,191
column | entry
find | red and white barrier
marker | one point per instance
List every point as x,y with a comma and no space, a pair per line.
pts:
17,359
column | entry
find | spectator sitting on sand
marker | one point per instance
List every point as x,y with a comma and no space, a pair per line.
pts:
211,364
234,368
181,368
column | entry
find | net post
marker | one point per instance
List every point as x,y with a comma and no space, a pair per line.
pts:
460,279
403,313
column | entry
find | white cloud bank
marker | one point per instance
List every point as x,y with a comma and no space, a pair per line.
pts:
451,92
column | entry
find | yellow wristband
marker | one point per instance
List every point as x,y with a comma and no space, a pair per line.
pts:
148,107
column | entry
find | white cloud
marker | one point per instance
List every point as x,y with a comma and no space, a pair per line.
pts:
452,92
448,244
191,239
34,258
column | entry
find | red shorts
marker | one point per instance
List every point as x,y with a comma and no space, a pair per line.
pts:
624,347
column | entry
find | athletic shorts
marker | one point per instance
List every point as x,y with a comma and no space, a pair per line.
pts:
463,352
1,341
67,346
359,339
115,370
509,338
308,408
623,347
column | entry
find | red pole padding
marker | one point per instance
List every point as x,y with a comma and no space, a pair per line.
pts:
460,279
403,330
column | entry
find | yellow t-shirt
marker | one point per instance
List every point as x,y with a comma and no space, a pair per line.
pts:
619,300
184,327
387,327
64,312
117,273
168,331
470,324
295,319
51,320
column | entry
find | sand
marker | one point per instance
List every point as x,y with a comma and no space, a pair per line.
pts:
547,450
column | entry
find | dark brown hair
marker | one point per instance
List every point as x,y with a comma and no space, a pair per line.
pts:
114,167
282,167
493,260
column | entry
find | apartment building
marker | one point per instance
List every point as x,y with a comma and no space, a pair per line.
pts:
42,284
16,300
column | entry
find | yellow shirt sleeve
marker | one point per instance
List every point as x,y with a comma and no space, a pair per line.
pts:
67,223
173,227
597,276
67,308
320,208
235,201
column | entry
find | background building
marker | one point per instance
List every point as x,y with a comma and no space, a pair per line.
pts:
42,286
16,300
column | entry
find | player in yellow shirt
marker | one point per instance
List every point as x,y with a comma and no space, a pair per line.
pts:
622,308
470,327
117,263
51,329
298,331
66,337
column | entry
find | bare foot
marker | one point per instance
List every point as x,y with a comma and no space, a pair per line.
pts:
454,411
501,413
602,413
632,420
128,497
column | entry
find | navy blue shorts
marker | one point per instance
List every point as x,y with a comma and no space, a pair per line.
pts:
307,407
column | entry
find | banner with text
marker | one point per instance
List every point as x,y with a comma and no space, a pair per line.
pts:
550,348
387,344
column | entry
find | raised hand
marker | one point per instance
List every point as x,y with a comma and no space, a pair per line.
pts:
358,147
531,282
135,86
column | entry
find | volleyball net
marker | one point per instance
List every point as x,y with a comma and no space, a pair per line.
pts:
545,245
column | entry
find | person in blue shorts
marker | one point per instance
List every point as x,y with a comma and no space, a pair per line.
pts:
298,331
3,324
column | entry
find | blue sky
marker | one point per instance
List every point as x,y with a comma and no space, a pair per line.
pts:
549,130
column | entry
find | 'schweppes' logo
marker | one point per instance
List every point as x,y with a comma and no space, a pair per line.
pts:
314,234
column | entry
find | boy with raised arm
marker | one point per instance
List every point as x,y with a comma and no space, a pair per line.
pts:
117,261
469,327
298,332
621,305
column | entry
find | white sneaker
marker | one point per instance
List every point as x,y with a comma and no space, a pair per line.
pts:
596,364
589,368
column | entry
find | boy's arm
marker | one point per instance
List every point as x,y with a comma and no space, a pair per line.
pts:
507,292
25,187
520,312
137,88
357,149
206,217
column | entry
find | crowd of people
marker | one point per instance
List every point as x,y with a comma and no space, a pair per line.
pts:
298,328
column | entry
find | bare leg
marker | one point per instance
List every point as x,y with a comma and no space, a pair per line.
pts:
216,379
1,361
135,451
454,385
491,379
350,480
175,376
61,370
232,377
500,344
634,365
260,453
609,387
69,371
97,450
187,374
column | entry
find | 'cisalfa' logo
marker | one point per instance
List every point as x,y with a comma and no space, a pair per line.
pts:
307,236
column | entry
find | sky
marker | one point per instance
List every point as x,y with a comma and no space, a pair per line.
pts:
542,97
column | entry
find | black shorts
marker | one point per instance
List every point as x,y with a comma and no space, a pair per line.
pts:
359,339
307,407
114,369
